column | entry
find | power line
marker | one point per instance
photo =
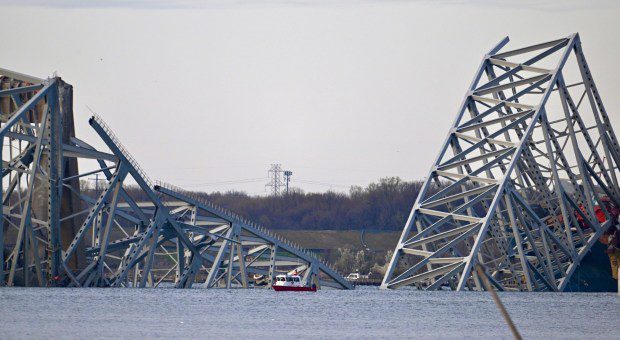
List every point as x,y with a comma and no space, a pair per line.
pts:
232,181
279,181
305,181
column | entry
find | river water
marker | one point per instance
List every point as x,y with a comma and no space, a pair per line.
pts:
367,312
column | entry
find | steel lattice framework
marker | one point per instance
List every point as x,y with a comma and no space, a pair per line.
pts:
529,159
54,234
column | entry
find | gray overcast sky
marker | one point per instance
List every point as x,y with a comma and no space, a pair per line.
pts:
340,92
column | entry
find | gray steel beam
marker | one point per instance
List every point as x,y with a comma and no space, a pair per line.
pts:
502,161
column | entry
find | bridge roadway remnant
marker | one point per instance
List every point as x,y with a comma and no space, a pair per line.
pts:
126,235
525,182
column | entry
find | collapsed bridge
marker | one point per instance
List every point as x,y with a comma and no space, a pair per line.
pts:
525,182
132,233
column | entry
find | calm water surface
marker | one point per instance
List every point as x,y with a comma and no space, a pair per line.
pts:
35,313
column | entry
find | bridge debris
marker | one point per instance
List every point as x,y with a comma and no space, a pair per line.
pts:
129,235
530,157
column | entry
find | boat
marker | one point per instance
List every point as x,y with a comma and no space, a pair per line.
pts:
291,283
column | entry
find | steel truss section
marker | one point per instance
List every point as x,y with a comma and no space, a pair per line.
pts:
133,233
529,160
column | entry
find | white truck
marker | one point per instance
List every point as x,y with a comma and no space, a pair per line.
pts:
356,277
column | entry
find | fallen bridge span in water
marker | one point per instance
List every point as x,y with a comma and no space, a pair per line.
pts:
525,182
55,234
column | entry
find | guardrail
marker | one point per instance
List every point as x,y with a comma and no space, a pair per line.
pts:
200,199
123,149
239,218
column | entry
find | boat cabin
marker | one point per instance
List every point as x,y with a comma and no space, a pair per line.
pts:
288,280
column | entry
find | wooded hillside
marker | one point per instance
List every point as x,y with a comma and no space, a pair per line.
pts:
379,206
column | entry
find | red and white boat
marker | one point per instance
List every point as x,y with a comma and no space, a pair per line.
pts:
291,283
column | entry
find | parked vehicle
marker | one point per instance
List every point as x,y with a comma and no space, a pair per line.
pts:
357,276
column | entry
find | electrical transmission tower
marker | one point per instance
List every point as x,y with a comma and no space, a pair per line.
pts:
96,179
275,179
525,182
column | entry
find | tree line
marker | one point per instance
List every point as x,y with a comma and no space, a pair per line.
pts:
381,206
384,205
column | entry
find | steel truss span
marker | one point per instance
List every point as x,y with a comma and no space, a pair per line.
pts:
131,232
529,161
